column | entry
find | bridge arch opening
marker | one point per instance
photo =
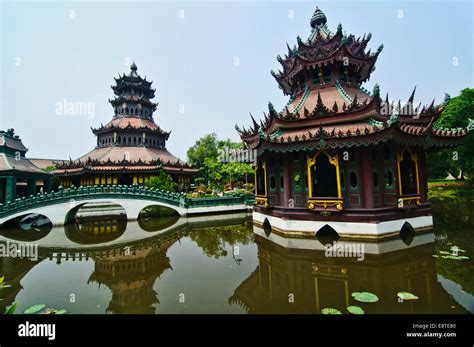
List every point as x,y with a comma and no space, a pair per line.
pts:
156,217
95,222
26,227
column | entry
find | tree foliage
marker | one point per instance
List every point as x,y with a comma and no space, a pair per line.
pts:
457,161
162,181
216,172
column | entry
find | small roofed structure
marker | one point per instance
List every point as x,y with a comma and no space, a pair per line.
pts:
337,152
19,177
131,148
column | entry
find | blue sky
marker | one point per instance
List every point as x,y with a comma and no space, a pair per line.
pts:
47,57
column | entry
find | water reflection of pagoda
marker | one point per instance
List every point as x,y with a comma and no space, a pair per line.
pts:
317,282
131,277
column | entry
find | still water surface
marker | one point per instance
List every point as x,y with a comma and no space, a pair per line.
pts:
219,265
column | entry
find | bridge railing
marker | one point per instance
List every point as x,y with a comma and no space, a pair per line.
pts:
118,191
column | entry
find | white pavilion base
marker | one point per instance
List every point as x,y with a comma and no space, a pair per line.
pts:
346,230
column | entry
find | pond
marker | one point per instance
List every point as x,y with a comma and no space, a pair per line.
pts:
224,264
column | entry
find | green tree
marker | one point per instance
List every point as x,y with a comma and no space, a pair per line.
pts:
206,154
162,181
205,147
457,161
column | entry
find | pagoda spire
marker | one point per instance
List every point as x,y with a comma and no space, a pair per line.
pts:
133,69
318,18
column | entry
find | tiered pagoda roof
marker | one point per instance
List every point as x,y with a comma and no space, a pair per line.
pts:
143,88
328,107
130,123
131,141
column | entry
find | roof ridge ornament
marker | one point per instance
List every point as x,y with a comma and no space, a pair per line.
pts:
318,19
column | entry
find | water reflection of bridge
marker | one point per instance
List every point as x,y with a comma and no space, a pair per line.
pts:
306,281
129,269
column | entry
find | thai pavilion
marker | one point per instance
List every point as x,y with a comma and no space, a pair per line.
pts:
131,148
19,177
338,157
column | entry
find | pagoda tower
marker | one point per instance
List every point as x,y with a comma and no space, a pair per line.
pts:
338,157
131,148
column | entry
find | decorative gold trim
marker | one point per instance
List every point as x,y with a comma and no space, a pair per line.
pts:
264,167
311,161
261,201
313,201
402,200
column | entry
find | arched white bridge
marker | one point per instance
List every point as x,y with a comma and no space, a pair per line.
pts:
59,206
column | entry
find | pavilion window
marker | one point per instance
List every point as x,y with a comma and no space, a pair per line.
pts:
353,180
282,182
130,140
297,182
375,180
389,179
272,183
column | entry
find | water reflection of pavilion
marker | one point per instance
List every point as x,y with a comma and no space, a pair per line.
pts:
131,277
305,281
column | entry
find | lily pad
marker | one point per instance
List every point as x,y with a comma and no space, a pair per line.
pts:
453,257
457,249
329,310
63,311
365,297
405,296
34,309
355,310
444,252
435,256
463,257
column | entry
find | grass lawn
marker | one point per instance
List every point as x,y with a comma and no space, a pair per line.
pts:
442,189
